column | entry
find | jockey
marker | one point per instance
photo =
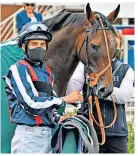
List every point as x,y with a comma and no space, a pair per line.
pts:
32,101
116,136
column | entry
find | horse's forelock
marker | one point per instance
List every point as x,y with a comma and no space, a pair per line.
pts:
105,21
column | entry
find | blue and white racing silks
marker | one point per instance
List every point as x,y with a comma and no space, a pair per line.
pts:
25,102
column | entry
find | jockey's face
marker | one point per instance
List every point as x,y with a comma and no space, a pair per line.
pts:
37,44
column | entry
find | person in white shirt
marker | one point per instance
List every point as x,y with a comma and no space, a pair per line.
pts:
123,80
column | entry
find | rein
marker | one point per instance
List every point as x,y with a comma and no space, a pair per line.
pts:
92,81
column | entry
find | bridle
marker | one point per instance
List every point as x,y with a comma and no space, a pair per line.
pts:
92,80
94,77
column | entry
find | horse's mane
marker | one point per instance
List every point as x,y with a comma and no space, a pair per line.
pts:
63,19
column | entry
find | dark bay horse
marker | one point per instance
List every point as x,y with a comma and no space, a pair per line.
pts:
73,42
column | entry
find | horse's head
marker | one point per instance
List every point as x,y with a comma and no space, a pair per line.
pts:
71,41
97,50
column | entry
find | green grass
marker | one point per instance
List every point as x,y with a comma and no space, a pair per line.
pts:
131,139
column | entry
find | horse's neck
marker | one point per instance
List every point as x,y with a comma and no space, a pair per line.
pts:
62,60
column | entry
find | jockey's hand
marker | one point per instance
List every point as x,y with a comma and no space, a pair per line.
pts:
73,97
65,117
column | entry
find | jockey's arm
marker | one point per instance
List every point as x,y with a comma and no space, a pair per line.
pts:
19,81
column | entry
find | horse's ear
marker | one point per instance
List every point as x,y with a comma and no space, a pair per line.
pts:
90,15
113,15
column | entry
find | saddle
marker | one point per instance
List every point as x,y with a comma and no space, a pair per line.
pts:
79,130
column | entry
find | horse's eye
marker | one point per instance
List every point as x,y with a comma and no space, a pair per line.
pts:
95,47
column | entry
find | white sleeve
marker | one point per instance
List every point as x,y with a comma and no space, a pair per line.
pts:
122,94
77,80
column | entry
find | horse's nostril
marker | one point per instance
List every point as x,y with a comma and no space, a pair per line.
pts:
102,90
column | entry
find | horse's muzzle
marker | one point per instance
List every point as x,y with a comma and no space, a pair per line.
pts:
101,92
104,92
